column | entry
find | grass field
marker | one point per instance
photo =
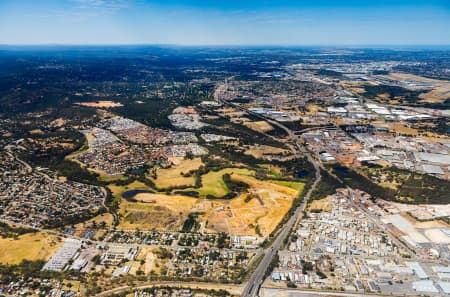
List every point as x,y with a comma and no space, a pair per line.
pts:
152,262
273,170
213,184
172,176
31,246
261,151
109,178
298,186
261,126
118,190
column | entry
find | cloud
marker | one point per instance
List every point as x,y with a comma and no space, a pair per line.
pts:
102,5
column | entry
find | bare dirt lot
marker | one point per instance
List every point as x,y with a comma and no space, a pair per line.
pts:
321,205
101,104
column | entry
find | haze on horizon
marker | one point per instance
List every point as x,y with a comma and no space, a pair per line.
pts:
234,22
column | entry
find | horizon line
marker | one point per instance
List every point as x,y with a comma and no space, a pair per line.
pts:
217,45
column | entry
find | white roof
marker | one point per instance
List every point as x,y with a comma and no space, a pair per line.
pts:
443,269
445,286
336,109
425,286
434,158
418,270
432,169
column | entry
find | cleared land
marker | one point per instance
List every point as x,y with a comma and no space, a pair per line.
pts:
31,246
152,262
154,214
101,104
321,205
257,212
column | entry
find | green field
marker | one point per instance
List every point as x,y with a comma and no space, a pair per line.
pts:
213,184
290,184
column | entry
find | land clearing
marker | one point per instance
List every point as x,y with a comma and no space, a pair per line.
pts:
256,212
100,104
420,232
152,263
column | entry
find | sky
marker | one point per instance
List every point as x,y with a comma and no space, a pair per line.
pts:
225,22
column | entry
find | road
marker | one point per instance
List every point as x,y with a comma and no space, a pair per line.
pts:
284,292
256,279
234,289
377,223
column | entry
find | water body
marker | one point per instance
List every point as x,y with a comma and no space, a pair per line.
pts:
131,193
301,174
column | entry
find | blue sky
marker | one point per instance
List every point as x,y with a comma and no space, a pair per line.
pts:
232,22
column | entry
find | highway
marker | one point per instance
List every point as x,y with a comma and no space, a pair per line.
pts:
257,278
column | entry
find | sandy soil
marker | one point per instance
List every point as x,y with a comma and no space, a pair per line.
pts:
101,104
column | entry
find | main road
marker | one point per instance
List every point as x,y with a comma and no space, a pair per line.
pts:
257,277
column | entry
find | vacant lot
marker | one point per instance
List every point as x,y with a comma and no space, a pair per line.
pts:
255,212
31,246
264,151
172,176
261,126
150,215
321,205
101,104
